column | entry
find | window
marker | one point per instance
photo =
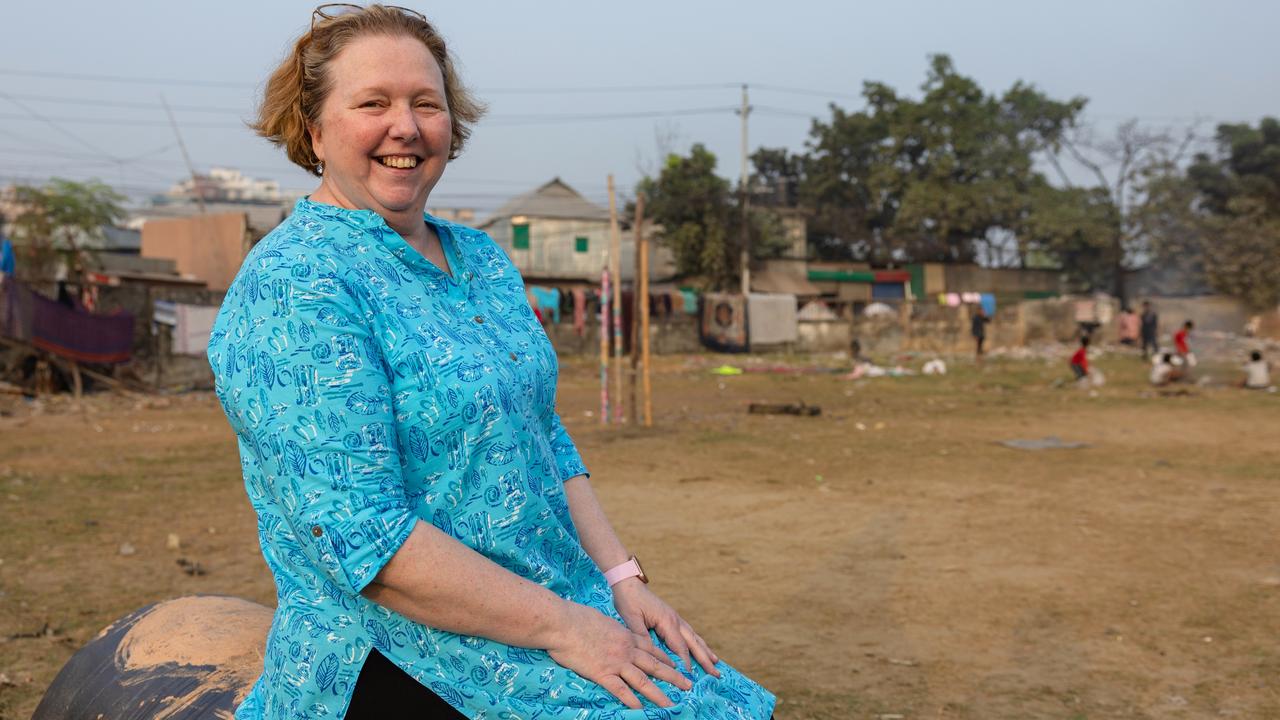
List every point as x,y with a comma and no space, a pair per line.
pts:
580,244
520,236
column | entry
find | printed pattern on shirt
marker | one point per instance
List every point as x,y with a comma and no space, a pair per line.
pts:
369,390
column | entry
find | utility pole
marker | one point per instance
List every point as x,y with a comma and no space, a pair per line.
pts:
742,188
195,182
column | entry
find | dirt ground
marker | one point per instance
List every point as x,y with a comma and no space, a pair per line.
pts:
886,559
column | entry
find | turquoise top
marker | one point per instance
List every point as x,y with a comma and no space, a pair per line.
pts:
369,390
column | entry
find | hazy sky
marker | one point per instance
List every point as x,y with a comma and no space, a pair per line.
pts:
1163,62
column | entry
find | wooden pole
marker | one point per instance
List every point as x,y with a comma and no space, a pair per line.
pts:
638,298
615,263
642,277
604,343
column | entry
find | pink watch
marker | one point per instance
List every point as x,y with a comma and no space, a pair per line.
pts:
630,568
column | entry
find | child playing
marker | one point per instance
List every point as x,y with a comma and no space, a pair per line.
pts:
1182,346
1257,373
1080,361
1163,371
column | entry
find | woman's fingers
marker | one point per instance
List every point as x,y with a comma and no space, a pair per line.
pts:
645,643
620,689
652,666
639,681
701,652
671,634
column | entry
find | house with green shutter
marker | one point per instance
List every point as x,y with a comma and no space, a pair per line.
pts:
552,233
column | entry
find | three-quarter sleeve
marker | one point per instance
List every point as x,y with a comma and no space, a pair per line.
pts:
301,379
568,462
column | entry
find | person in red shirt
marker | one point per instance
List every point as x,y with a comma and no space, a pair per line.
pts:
1080,361
1180,339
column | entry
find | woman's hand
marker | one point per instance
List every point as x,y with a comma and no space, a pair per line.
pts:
642,610
599,649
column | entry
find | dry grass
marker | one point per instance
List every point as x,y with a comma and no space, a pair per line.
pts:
912,568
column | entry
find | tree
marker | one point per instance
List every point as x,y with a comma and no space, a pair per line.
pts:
935,179
1125,166
700,222
57,219
1230,213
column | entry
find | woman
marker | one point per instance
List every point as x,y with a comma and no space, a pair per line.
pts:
430,525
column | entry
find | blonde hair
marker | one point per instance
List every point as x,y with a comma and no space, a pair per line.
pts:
297,89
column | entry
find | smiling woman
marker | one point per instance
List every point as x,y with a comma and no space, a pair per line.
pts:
431,527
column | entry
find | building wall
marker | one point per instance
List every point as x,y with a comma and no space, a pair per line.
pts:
674,334
975,278
552,251
206,247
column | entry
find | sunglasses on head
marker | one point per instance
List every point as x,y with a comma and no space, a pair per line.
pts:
332,11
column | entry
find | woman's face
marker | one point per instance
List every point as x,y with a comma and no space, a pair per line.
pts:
384,129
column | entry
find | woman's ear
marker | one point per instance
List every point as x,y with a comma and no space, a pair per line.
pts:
317,141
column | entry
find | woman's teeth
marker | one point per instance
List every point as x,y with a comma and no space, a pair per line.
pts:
400,161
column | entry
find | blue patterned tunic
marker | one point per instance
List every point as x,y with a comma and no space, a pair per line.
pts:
369,390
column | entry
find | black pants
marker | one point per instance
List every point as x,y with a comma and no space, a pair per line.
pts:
385,691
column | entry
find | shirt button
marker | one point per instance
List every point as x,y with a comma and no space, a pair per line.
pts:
317,530
479,319
513,356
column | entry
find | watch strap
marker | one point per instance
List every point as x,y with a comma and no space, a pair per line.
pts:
628,569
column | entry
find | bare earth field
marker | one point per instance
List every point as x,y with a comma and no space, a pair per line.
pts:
886,559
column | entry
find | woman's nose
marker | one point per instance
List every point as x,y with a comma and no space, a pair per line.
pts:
404,126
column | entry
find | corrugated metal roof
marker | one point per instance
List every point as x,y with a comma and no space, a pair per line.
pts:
555,199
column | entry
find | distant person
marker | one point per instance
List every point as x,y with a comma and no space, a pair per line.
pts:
978,328
1128,325
1080,360
1257,373
1182,344
1150,323
1163,371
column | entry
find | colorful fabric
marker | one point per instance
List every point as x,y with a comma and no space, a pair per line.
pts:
548,301
8,263
988,302
65,331
689,300
370,391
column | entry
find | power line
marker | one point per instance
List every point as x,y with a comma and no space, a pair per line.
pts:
606,89
126,104
582,117
125,79
47,121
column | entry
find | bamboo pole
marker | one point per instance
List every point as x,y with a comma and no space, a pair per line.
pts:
604,344
642,277
615,258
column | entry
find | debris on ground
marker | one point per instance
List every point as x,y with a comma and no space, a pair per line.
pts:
127,549
784,409
191,567
1052,442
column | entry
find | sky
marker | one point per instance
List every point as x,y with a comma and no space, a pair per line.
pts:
582,90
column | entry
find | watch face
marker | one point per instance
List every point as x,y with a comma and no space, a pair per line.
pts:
643,578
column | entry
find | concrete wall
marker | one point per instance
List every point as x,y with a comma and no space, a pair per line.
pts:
205,247
926,327
551,251
676,334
